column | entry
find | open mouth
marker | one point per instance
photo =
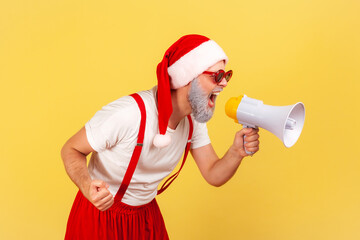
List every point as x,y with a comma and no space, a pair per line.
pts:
212,98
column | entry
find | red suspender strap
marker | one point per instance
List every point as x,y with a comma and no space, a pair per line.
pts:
187,148
136,154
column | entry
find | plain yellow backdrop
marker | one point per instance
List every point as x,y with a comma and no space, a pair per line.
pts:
61,61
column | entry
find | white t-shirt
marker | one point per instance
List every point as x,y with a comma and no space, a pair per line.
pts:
112,133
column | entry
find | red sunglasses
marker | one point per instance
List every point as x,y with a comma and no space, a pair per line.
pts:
219,75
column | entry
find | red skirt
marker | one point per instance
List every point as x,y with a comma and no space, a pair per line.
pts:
121,221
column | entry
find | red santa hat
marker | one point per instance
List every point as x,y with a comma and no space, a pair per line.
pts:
186,59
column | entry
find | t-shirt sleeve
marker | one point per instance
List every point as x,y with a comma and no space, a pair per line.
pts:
200,135
115,122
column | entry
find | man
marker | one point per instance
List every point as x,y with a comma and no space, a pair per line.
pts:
137,140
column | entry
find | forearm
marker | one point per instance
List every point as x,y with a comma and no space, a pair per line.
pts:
224,169
76,168
218,171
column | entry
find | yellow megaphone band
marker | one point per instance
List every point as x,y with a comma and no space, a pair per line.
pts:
231,107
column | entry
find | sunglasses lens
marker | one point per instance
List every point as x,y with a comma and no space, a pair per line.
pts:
228,75
219,76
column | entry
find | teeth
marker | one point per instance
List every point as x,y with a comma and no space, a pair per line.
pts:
216,93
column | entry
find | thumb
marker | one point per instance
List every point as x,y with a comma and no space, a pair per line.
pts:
241,134
245,131
97,184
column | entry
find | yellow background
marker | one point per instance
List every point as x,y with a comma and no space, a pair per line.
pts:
61,61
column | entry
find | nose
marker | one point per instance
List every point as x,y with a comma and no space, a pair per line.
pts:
223,82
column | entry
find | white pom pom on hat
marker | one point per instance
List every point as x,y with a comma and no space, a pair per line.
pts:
186,59
161,141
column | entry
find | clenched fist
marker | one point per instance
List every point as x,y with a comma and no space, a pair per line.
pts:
251,142
99,195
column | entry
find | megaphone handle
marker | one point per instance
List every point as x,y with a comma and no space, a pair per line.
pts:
247,152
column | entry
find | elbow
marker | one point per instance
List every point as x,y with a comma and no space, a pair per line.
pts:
63,151
215,182
215,179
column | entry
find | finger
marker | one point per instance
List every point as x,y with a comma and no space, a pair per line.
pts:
253,131
252,144
253,149
244,131
99,201
239,136
101,194
96,185
252,137
99,183
102,203
107,205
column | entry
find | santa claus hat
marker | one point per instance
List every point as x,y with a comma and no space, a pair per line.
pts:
186,59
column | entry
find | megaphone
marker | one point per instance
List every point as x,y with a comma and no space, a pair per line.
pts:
286,122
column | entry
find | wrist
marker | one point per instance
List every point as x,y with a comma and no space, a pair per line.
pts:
235,152
84,186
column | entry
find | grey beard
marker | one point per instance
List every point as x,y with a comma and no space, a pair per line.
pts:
198,100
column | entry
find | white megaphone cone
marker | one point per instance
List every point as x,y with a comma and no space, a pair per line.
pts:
286,122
